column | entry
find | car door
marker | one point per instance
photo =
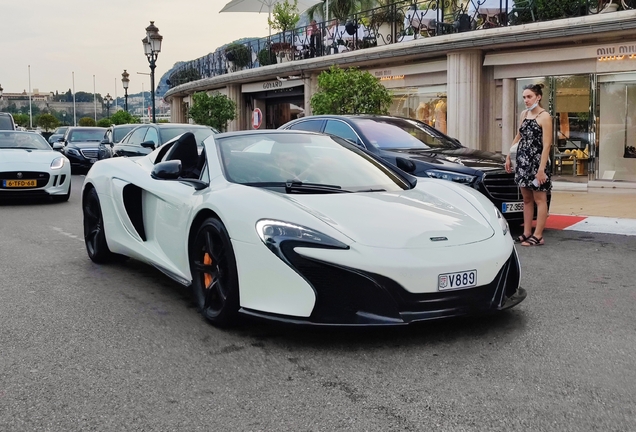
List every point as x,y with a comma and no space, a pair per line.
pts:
132,146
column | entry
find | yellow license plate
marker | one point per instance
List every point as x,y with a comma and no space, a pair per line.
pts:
19,183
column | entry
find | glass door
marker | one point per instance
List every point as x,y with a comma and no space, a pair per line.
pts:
617,127
572,113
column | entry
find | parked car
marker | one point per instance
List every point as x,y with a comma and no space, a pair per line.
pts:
309,229
114,134
29,167
57,134
6,121
145,138
423,151
81,145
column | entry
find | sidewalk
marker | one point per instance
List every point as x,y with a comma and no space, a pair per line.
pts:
611,211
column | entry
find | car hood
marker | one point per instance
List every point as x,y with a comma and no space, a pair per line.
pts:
472,158
430,216
11,157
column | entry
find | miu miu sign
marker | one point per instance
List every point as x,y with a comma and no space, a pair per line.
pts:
616,52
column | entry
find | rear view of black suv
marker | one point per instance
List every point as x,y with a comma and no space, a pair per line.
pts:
6,121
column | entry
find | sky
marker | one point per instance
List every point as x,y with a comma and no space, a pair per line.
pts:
62,38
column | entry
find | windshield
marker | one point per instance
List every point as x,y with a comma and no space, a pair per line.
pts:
276,159
5,122
23,140
200,133
120,132
86,135
61,130
403,134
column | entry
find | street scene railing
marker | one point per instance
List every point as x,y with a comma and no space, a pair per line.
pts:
398,22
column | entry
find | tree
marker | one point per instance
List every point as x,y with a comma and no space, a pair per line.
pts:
350,91
47,122
214,110
21,119
341,9
86,121
285,15
123,117
104,122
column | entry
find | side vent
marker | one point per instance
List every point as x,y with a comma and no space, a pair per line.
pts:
132,203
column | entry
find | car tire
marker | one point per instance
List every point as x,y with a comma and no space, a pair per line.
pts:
94,236
63,198
214,275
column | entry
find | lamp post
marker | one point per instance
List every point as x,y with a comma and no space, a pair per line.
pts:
125,81
152,48
107,100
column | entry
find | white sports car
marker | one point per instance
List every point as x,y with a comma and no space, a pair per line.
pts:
304,228
29,167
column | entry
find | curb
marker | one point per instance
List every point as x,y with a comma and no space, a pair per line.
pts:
592,224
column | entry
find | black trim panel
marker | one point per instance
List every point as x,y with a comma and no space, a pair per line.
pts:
132,203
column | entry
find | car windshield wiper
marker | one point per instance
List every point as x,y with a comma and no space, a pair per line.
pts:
292,186
371,190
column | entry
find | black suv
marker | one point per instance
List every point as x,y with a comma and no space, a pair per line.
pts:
6,121
423,151
81,145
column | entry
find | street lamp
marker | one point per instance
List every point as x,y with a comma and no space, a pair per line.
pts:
152,48
108,99
125,81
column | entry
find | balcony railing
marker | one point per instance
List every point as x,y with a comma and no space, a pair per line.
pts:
396,23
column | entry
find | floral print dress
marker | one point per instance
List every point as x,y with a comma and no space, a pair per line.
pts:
529,156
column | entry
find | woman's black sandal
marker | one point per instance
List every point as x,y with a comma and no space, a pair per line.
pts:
522,238
533,241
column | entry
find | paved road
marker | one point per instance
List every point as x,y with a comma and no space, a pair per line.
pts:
120,348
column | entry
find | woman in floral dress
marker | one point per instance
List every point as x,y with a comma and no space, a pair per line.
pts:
532,165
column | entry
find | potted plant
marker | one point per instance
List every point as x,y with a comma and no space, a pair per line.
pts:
386,22
284,15
283,51
266,57
237,55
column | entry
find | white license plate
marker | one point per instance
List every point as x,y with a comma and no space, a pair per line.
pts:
450,281
513,207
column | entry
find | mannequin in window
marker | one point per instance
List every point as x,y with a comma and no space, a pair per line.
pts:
423,113
440,115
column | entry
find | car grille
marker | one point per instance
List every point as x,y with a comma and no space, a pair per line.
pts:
90,153
41,177
501,185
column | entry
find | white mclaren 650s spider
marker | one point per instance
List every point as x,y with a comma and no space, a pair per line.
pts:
302,228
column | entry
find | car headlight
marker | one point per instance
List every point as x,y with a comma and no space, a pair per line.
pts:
58,163
72,151
502,221
274,232
452,176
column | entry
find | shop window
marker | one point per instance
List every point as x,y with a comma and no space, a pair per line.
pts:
617,127
427,104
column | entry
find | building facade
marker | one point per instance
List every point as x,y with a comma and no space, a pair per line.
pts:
469,86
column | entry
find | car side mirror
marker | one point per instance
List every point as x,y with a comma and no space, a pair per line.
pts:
405,165
148,144
105,142
169,170
58,146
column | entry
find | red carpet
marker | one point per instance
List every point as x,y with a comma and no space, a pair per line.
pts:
559,222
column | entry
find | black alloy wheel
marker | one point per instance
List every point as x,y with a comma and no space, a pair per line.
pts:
214,274
94,236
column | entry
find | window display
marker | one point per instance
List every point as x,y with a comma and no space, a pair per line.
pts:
427,104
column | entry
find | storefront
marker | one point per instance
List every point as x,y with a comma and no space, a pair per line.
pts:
419,91
593,106
273,103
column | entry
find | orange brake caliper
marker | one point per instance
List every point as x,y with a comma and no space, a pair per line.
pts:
207,277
